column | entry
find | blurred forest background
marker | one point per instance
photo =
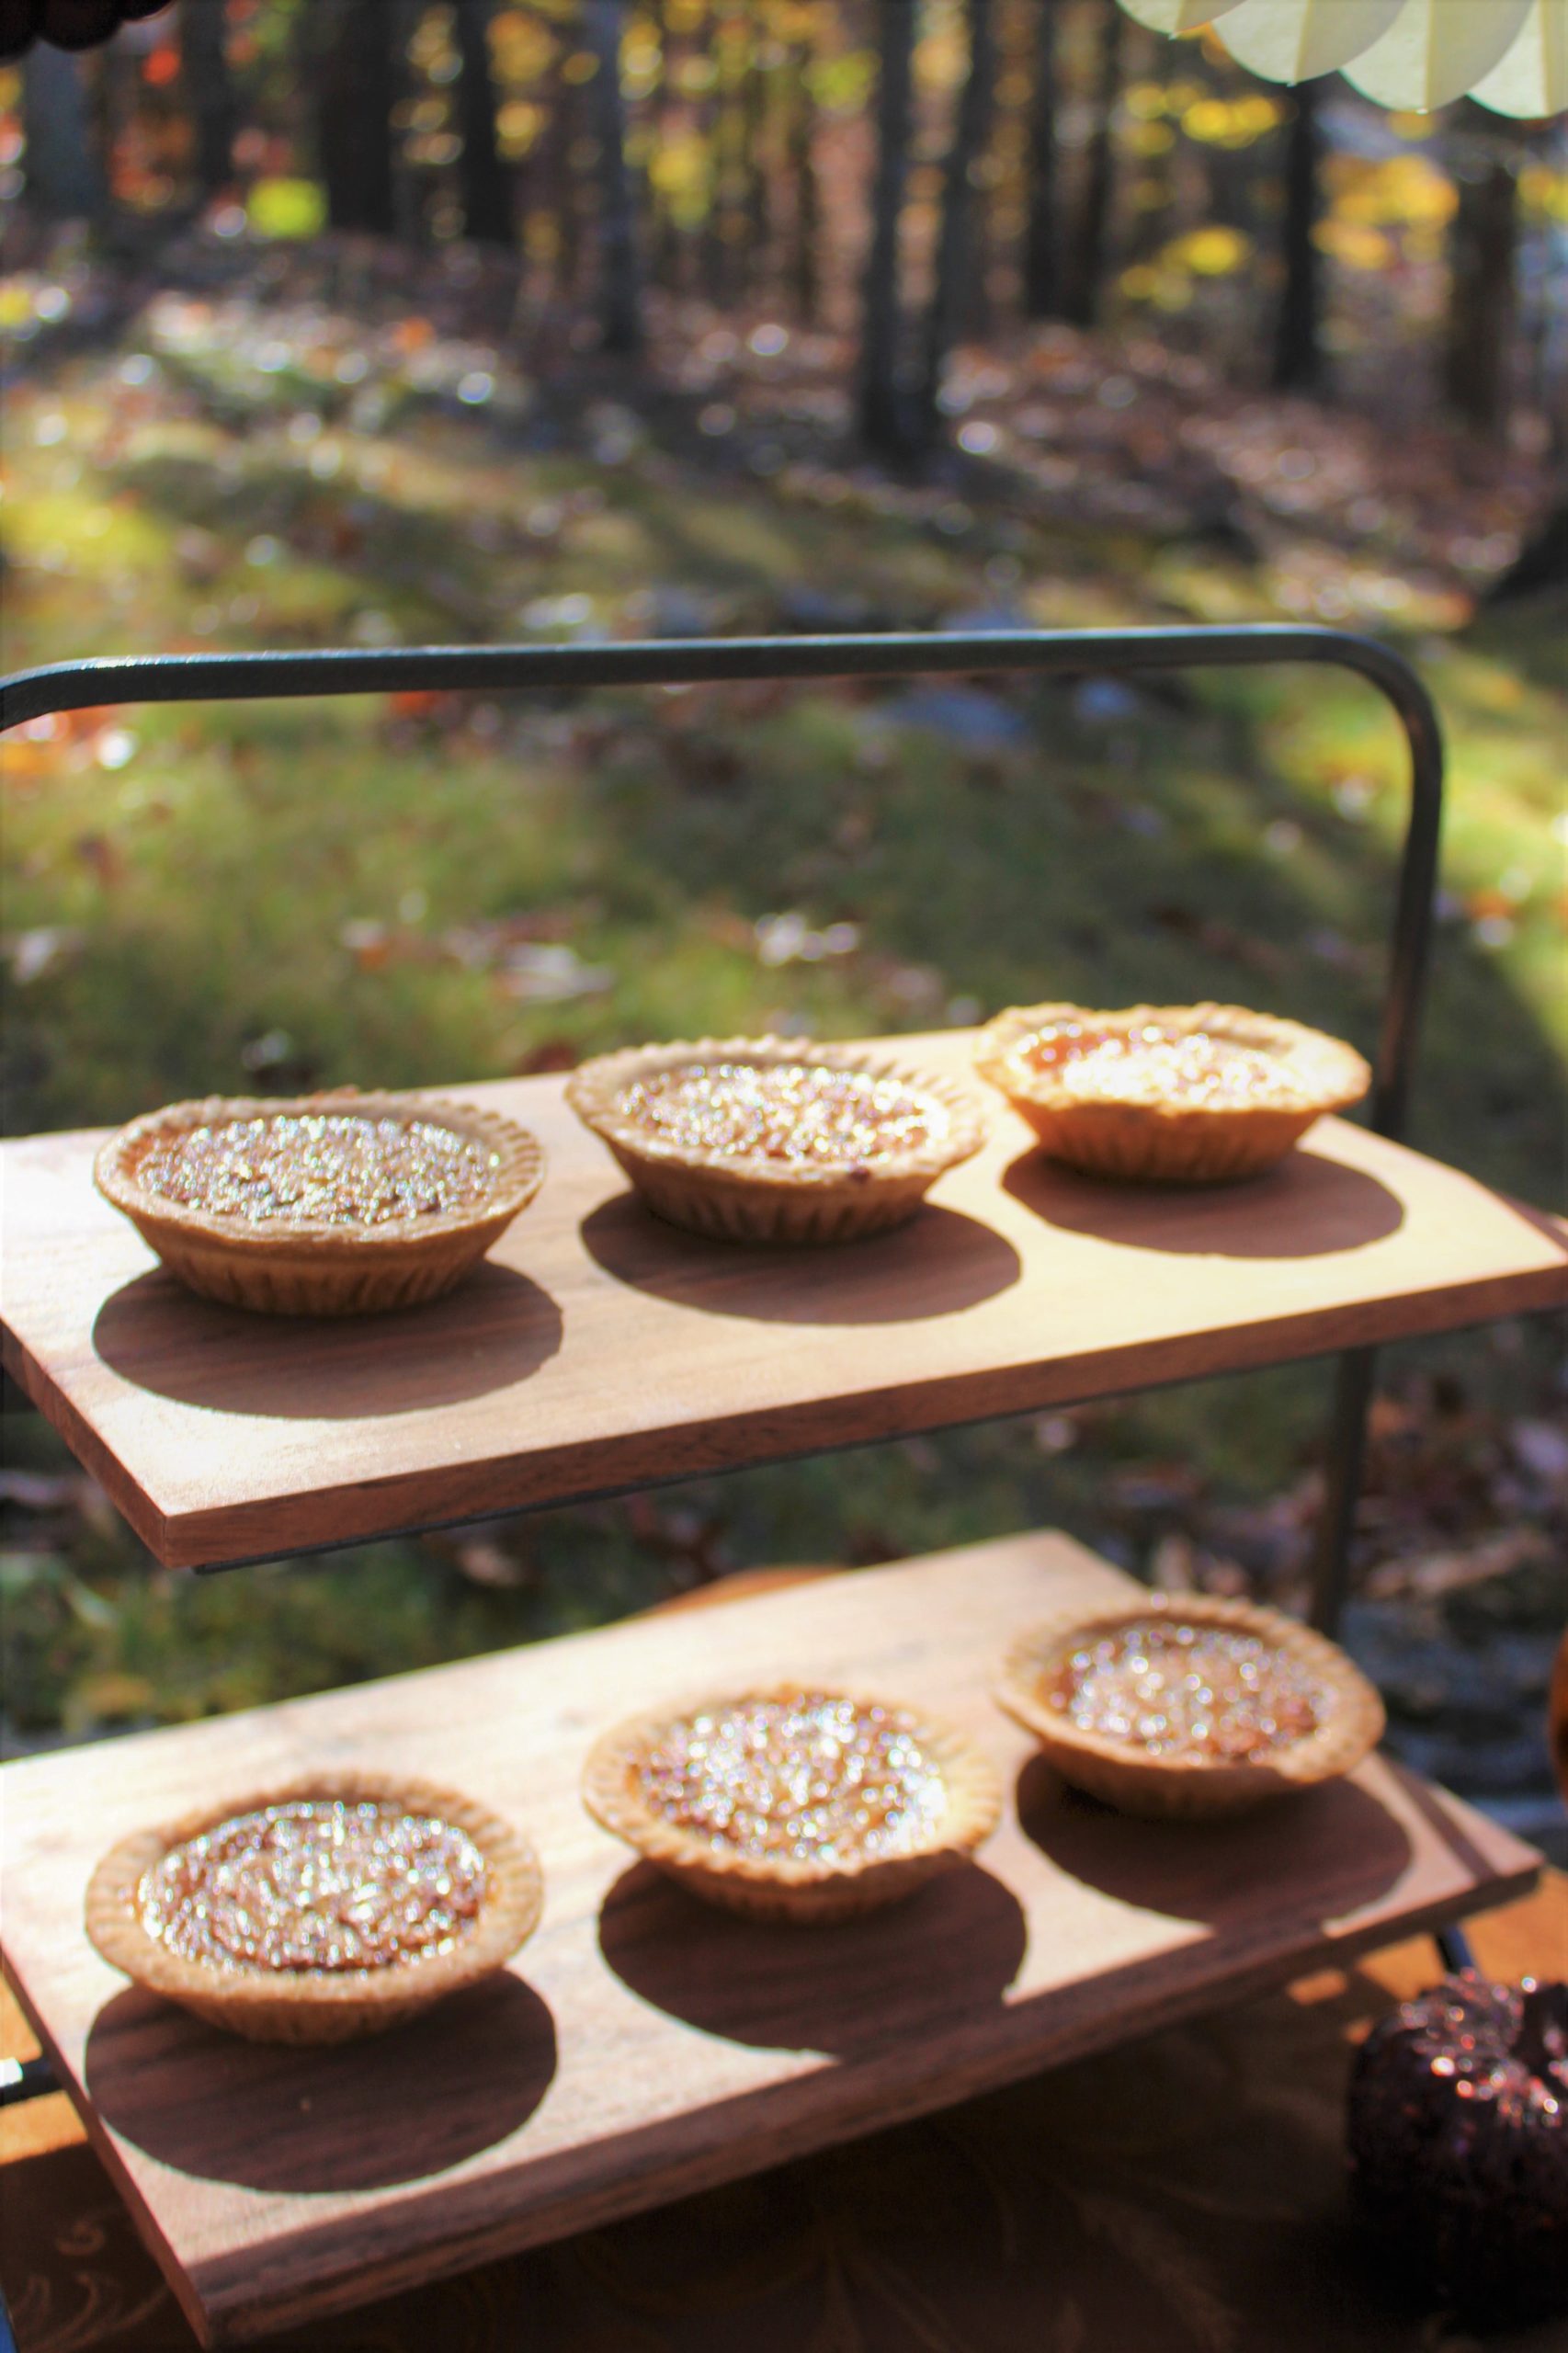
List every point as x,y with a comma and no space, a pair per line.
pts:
375,322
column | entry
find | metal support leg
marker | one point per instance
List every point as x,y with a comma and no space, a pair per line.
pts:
1453,1949
23,2079
1346,1450
1331,1569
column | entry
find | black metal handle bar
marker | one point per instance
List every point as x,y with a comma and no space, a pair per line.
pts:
193,678
197,678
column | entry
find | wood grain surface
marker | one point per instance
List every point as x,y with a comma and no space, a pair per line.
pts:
597,1348
642,2047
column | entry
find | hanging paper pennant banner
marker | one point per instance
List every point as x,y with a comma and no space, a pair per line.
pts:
1510,55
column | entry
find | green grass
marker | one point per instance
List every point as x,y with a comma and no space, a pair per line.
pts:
287,888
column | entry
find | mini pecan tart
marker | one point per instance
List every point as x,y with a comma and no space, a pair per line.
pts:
1180,1094
1184,1704
339,1204
775,1139
329,1908
794,1804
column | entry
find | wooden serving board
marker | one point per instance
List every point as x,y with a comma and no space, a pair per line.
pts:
643,2046
598,1349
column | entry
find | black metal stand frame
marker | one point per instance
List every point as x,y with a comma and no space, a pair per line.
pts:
246,677
200,677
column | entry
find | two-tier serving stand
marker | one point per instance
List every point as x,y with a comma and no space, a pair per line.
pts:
642,2047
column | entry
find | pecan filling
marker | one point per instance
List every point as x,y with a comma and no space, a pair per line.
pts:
810,1779
1153,1065
321,1168
801,1114
316,1884
1206,1694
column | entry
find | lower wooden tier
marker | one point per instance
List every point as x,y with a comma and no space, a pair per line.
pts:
642,2047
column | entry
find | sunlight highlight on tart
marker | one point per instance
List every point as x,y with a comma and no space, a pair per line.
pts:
1207,1694
791,1112
316,1884
812,1780
321,1168
1153,1065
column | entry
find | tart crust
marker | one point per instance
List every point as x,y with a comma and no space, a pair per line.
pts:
319,1268
1174,1142
317,2006
1136,1782
781,1888
749,1197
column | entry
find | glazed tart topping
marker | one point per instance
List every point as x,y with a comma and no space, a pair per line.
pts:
1208,1695
320,1168
797,1113
317,1884
1156,1065
813,1779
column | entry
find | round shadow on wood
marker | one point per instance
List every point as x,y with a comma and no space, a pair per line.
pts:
397,2106
940,1262
1306,1206
1312,1854
917,1968
494,1330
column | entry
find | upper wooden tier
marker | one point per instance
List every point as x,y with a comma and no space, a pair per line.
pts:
598,1349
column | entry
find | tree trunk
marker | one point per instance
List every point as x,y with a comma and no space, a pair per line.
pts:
757,91
560,176
1298,353
730,190
882,403
805,267
620,300
65,179
668,242
711,117
1542,562
1041,283
1088,258
955,244
1481,256
211,93
358,89
485,181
